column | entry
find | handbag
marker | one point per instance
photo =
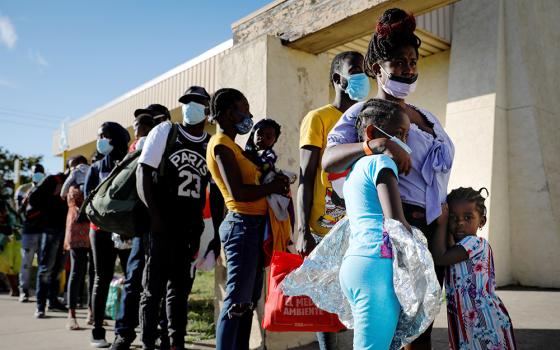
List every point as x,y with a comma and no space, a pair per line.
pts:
293,313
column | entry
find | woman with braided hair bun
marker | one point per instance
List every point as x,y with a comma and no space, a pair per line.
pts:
391,59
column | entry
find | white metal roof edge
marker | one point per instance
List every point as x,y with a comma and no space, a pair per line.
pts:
180,68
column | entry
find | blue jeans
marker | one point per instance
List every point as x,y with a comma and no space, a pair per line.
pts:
367,283
242,239
128,319
50,263
30,244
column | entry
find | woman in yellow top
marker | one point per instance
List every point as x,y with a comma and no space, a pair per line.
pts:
242,230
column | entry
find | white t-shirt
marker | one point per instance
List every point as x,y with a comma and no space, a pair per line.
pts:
154,146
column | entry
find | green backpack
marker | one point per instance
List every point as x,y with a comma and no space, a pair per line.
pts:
114,205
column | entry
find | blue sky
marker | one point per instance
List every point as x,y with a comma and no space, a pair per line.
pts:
62,59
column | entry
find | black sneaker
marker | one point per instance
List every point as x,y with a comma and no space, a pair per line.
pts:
121,343
57,306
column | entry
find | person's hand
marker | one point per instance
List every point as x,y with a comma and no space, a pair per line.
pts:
444,217
305,242
280,185
214,246
399,155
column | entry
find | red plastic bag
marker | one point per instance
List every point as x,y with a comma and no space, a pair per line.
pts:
293,314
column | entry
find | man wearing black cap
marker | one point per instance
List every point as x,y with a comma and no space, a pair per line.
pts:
144,120
175,203
159,112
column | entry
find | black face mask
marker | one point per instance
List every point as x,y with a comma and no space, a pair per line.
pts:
405,80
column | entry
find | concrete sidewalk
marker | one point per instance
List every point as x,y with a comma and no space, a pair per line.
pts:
535,315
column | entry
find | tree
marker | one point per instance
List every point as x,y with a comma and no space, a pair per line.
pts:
7,160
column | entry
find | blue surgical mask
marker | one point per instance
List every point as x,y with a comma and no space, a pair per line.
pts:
37,177
397,141
358,86
104,146
193,113
245,125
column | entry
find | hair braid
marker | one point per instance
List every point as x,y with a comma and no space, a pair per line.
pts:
394,30
468,194
376,112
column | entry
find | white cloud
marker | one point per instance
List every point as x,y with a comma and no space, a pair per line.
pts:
8,34
38,59
8,84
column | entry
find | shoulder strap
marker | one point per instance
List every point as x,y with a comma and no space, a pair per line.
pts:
171,138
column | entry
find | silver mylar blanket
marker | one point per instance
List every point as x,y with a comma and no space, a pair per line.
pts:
414,279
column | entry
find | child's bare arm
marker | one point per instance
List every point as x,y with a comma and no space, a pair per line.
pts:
450,240
389,197
441,253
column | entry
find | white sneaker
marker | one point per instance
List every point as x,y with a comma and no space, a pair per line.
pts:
39,314
23,298
99,343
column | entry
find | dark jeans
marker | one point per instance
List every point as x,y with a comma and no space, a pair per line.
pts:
50,264
91,278
104,257
242,239
127,320
168,260
78,268
416,216
169,257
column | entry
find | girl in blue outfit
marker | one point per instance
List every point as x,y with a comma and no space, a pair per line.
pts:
371,193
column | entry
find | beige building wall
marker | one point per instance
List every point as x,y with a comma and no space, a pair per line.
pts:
476,119
502,115
532,45
431,90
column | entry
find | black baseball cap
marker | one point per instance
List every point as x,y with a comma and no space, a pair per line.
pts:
155,110
194,91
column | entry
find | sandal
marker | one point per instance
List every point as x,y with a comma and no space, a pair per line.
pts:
89,318
72,324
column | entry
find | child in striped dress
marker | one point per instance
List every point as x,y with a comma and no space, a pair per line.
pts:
476,317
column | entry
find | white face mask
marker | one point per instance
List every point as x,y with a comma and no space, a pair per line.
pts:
397,141
193,113
399,87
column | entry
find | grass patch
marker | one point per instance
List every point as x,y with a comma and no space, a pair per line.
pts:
201,308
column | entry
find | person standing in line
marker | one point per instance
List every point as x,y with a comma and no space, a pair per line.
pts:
128,316
145,119
76,239
242,230
45,199
319,206
391,59
31,236
175,201
112,143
